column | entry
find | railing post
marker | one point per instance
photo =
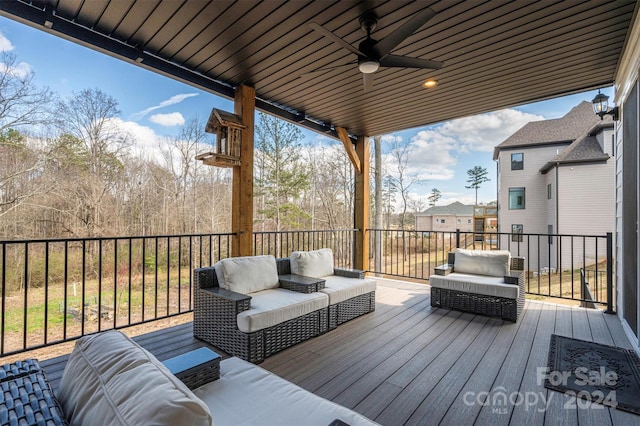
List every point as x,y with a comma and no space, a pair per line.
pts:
457,238
610,273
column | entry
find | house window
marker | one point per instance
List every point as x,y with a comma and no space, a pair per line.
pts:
458,221
516,198
441,220
548,191
550,232
517,161
468,220
516,233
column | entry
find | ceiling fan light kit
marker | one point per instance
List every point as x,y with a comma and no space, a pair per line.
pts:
373,54
368,66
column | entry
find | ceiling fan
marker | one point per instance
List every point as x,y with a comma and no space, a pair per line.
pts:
373,54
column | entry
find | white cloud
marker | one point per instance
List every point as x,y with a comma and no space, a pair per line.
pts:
176,99
435,150
483,132
19,70
168,120
5,44
146,142
391,138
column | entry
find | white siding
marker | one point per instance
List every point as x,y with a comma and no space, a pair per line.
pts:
535,216
586,204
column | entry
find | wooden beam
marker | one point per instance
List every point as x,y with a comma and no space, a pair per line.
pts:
361,219
242,192
348,146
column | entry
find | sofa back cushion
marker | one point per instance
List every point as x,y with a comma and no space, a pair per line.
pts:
494,263
316,263
247,274
110,379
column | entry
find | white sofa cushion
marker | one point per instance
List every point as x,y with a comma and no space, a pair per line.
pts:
340,288
316,263
246,394
470,283
247,274
271,307
494,263
110,379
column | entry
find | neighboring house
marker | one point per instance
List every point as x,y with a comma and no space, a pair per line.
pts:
446,218
558,177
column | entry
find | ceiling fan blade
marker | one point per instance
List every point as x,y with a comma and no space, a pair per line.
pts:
407,62
390,42
367,82
325,32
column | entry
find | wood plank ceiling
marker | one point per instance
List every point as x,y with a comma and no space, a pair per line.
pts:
496,53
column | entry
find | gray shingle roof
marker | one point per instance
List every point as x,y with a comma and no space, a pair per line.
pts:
584,149
456,208
573,125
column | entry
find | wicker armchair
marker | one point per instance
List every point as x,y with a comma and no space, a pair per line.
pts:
506,308
215,321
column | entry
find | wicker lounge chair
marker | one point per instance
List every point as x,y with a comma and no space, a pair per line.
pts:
477,296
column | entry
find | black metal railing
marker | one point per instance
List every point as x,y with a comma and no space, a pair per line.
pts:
552,261
58,290
281,244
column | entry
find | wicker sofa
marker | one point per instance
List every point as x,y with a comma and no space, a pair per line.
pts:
307,298
482,282
110,380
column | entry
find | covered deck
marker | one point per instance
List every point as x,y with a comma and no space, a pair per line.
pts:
409,363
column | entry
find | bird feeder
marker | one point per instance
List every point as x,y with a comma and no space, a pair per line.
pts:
228,129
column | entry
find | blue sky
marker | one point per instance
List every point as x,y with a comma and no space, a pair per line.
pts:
153,106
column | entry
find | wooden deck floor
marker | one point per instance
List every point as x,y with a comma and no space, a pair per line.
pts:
407,363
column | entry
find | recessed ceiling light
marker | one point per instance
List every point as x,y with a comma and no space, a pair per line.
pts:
430,84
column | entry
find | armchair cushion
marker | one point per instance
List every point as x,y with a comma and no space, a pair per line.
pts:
493,263
476,284
275,306
247,274
316,263
340,288
110,379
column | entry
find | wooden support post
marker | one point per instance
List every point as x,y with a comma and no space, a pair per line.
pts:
242,192
361,219
349,148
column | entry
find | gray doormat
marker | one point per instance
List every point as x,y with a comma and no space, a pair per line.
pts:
599,373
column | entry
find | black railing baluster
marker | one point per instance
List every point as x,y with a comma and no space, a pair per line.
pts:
130,283
65,281
144,273
26,296
46,291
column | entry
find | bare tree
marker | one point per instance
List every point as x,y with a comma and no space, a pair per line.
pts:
403,178
22,104
89,117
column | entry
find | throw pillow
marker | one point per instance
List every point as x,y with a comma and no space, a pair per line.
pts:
316,263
